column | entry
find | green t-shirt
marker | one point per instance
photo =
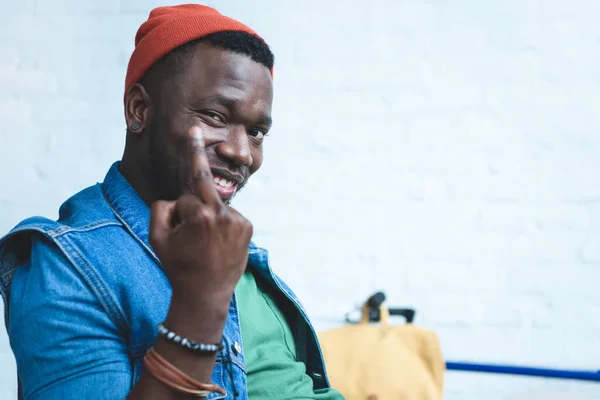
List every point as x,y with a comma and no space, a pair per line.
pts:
269,349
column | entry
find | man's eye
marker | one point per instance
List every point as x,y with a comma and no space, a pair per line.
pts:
257,133
214,116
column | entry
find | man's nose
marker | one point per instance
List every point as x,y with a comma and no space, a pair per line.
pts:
236,148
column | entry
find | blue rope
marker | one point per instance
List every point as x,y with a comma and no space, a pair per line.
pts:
593,376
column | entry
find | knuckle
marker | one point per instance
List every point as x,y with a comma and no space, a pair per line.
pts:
203,214
246,223
223,211
239,220
249,228
198,146
243,224
158,206
227,219
202,175
234,217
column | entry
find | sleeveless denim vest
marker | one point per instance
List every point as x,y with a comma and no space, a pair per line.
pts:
103,232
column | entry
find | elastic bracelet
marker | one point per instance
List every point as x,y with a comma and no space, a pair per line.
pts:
176,379
188,343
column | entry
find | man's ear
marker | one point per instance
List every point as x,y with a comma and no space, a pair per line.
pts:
137,109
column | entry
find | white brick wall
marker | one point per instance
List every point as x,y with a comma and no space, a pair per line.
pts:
446,152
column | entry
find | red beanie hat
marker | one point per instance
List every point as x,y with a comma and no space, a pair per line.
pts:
170,27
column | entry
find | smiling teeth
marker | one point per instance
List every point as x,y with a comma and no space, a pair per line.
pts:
223,182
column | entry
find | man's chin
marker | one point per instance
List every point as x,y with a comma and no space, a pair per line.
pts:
225,196
228,200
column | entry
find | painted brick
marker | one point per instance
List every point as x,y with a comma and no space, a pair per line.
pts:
444,152
591,250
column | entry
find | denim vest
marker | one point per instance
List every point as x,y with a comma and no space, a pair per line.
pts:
102,234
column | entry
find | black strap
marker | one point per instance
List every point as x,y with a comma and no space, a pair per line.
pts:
302,340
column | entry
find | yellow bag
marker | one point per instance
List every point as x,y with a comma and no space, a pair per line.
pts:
384,362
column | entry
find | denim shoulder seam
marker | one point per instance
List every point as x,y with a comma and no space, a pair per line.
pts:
56,234
62,229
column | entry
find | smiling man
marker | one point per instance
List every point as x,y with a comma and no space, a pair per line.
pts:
148,286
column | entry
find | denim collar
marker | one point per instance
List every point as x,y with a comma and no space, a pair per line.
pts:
134,214
128,207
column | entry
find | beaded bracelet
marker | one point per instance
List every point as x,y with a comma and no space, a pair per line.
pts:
188,343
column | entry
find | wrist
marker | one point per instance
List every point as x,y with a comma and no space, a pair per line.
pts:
199,319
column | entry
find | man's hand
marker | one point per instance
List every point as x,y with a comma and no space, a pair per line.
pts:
201,242
203,247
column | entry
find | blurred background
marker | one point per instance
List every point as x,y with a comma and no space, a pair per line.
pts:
445,152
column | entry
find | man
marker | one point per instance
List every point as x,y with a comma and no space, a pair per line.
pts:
131,292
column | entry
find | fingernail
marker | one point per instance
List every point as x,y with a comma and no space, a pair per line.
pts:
196,134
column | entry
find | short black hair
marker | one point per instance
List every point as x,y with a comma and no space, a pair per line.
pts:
242,43
239,42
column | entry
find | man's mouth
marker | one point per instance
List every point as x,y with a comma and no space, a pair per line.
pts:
224,182
225,187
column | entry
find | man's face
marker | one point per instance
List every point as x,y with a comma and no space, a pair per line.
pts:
229,96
